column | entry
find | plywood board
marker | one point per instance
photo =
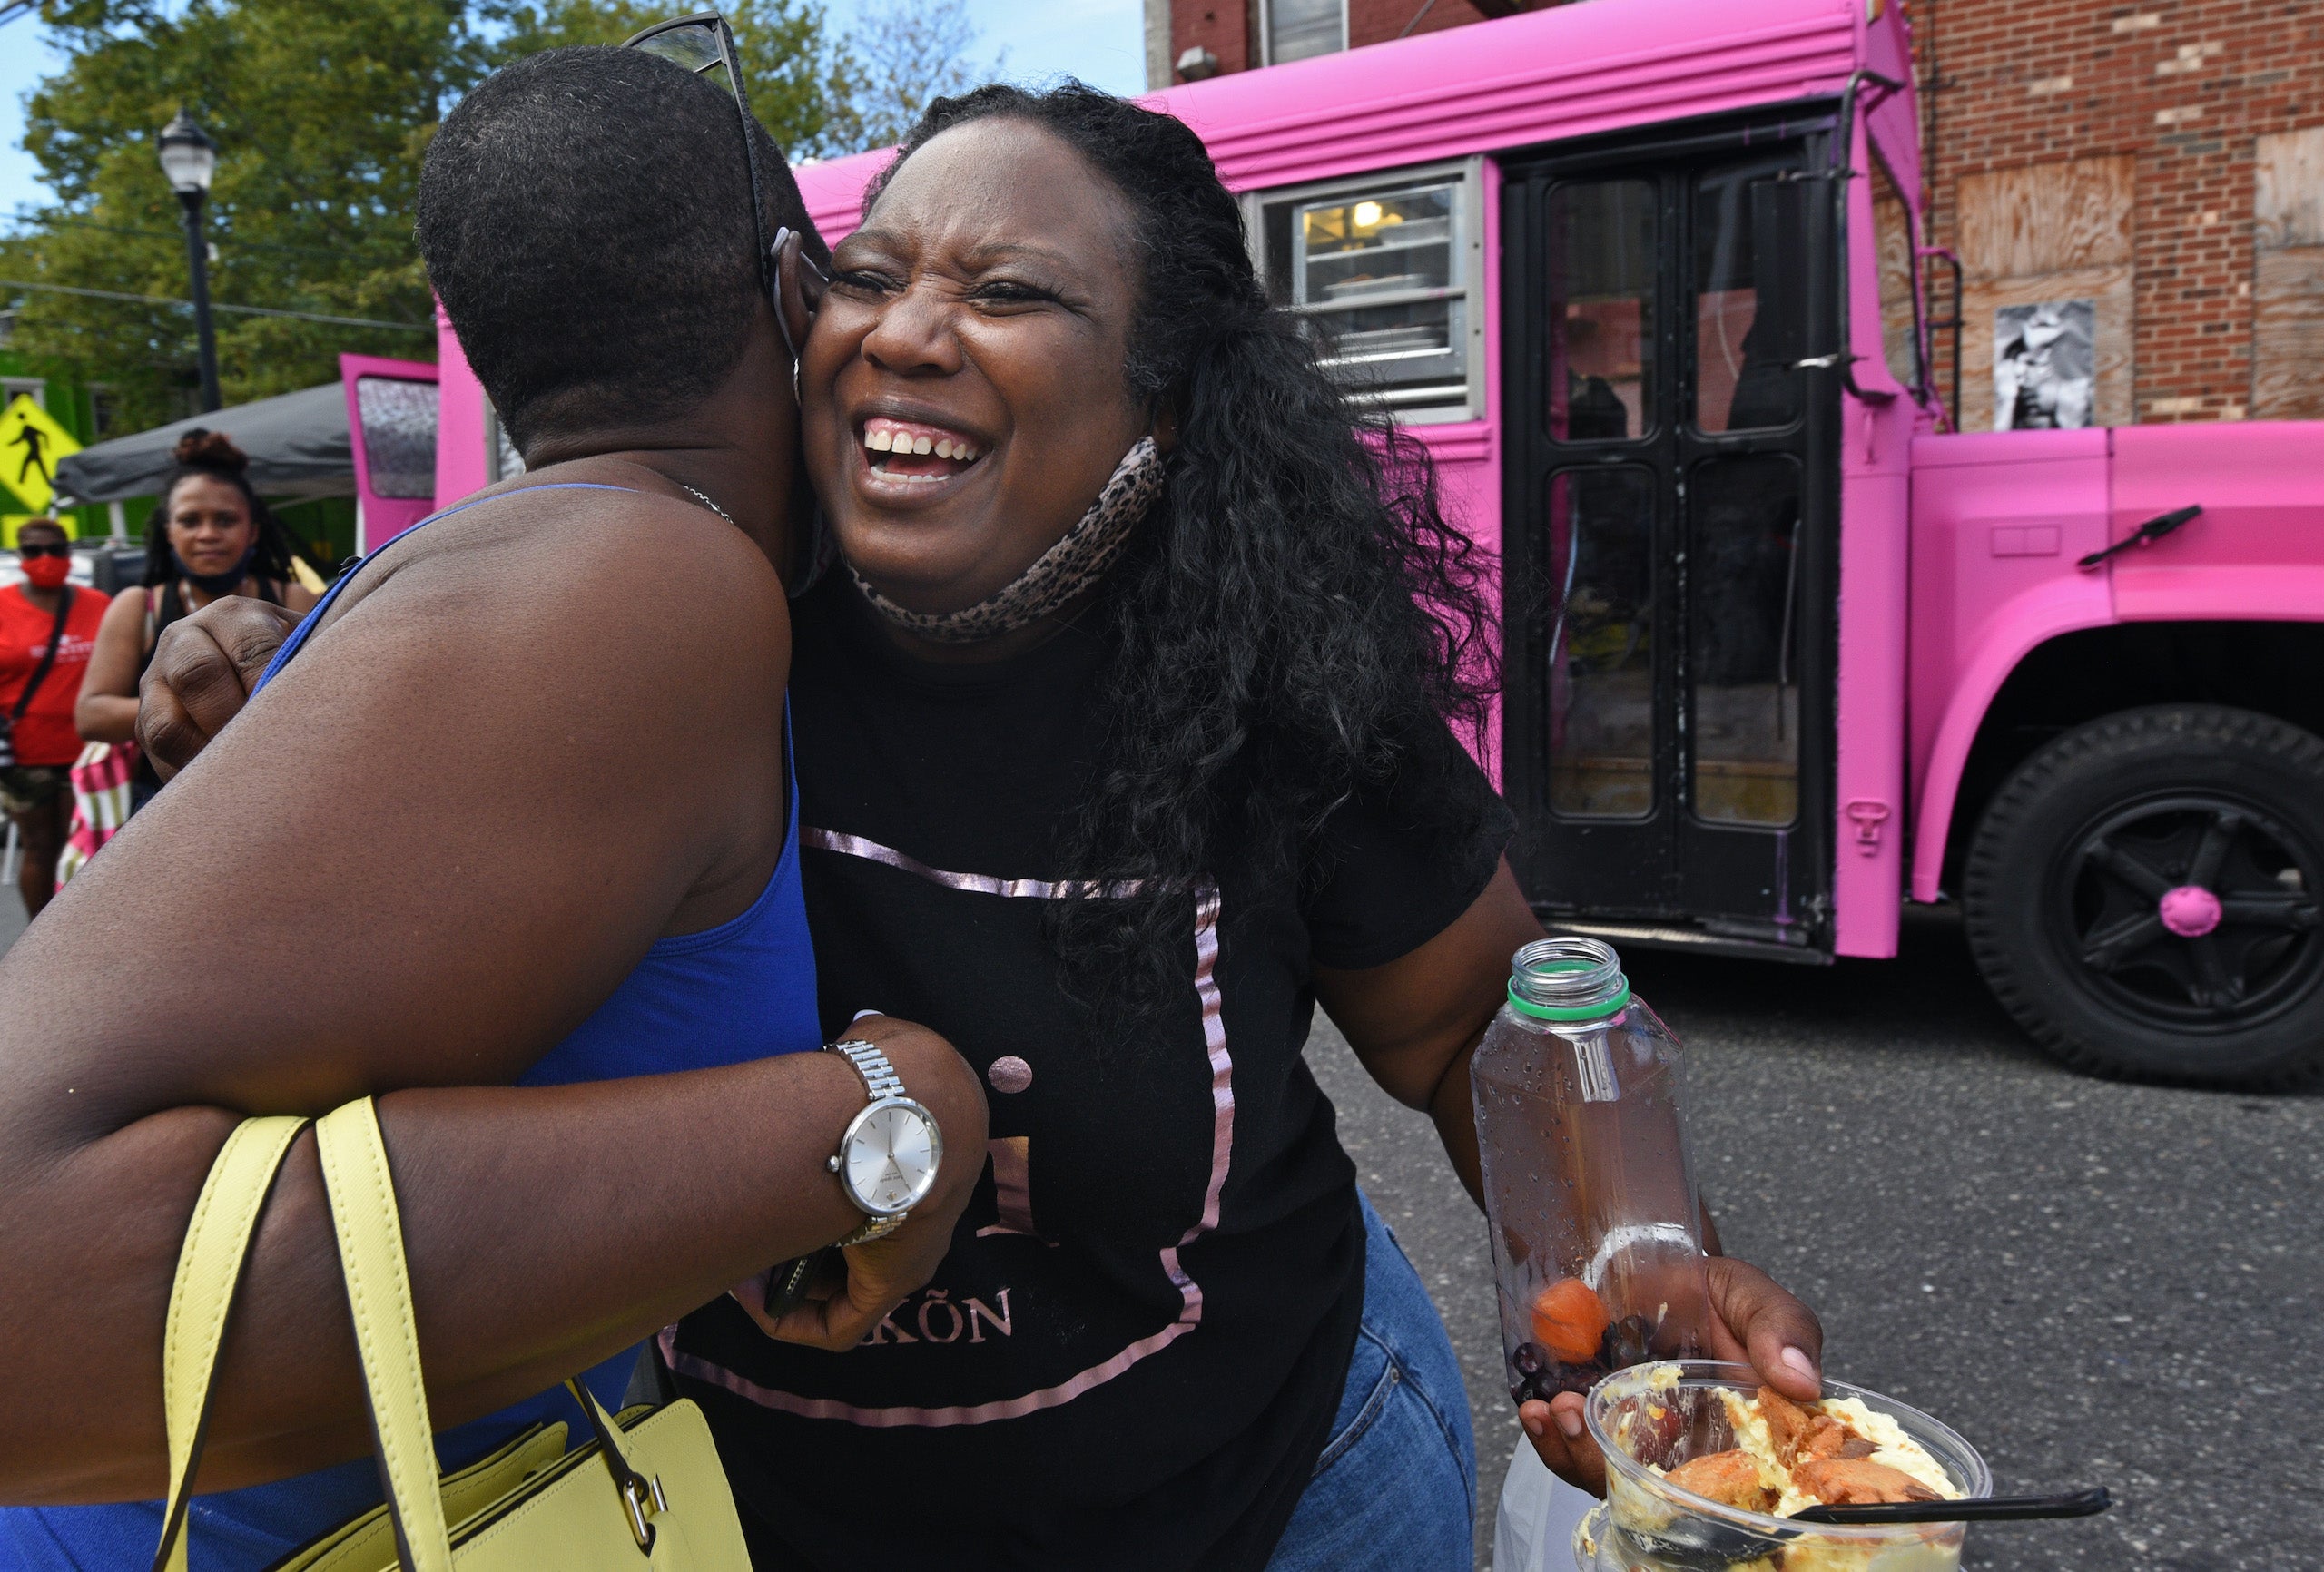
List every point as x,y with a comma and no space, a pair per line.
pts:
2288,190
2108,288
2046,218
2287,335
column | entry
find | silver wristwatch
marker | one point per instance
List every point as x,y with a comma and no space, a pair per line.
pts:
888,1154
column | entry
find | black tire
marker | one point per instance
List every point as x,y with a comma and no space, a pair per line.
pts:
2063,898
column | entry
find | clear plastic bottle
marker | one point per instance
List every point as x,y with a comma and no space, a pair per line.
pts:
1597,1234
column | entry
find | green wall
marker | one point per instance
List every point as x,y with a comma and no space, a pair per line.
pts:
69,401
323,529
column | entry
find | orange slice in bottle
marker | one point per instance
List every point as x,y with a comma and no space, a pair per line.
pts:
1570,1320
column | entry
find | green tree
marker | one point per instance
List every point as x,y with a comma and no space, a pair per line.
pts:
321,114
802,81
906,54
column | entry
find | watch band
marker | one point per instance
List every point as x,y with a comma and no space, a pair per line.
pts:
880,1077
874,1228
880,1080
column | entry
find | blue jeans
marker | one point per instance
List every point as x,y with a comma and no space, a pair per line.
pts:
1396,1489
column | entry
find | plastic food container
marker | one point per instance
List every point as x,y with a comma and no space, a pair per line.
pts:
1645,1525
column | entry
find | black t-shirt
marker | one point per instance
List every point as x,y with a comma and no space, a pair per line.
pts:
1134,1350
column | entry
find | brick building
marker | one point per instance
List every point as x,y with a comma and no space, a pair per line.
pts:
2163,161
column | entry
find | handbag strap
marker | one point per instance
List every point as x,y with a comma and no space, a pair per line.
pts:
387,1335
48,661
210,1268
370,1234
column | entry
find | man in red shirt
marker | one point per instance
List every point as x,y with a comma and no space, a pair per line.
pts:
35,785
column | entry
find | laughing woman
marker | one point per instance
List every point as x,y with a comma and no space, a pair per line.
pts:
1123,744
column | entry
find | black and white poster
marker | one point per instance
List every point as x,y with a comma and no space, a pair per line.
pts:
2045,366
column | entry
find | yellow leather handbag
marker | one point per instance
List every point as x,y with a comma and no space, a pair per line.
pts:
646,1495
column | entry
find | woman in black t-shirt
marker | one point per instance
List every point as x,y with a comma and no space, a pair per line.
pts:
1112,792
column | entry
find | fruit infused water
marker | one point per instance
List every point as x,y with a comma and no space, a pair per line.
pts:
1597,1234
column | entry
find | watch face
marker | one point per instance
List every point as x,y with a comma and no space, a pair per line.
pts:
891,1158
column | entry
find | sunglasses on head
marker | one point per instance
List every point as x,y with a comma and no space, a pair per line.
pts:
703,43
32,549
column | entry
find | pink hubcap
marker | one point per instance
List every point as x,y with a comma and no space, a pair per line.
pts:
2190,911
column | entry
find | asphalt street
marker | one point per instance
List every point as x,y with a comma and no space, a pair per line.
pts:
2096,1284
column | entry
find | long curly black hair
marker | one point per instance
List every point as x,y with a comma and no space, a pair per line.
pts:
213,453
1297,620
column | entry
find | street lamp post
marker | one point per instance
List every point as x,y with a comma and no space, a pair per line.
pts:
188,158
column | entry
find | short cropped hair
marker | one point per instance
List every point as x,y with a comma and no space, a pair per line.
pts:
584,218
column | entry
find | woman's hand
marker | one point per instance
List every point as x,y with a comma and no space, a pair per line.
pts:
842,1309
1753,1322
1414,1022
203,669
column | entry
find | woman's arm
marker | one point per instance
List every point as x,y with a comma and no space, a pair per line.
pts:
411,867
106,710
1415,1021
547,1229
1415,1024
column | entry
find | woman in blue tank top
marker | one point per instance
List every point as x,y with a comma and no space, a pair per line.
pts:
745,989
526,869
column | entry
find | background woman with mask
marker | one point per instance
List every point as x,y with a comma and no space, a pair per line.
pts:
37,698
209,536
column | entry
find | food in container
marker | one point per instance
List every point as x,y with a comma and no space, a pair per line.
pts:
1703,1467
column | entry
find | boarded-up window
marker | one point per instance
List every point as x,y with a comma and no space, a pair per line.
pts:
2287,281
2041,235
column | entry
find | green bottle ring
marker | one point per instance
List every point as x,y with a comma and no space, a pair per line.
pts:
1612,1006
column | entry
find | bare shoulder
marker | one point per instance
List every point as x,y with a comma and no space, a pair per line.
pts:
129,604
545,577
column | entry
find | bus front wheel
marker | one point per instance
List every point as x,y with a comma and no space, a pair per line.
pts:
2142,896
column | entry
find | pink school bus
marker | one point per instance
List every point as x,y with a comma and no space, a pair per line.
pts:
1783,650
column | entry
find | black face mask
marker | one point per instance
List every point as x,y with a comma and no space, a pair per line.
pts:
219,584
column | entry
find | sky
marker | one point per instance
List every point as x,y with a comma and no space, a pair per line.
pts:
1100,41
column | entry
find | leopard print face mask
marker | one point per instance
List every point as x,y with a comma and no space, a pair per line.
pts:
1076,561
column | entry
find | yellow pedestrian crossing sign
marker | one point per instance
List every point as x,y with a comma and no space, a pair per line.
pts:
31,442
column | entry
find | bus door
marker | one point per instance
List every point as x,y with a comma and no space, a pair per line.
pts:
1671,530
391,418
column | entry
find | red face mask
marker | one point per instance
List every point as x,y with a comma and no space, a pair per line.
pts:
47,572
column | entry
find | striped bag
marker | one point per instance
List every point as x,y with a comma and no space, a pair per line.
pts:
101,803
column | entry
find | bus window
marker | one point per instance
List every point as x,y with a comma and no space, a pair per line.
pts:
399,415
1750,307
1383,274
1602,643
1742,638
1601,311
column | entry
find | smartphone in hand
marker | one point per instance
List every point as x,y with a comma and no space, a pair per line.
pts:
787,1285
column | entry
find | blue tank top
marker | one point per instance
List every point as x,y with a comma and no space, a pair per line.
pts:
743,991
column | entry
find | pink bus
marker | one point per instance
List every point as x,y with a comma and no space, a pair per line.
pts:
1783,649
